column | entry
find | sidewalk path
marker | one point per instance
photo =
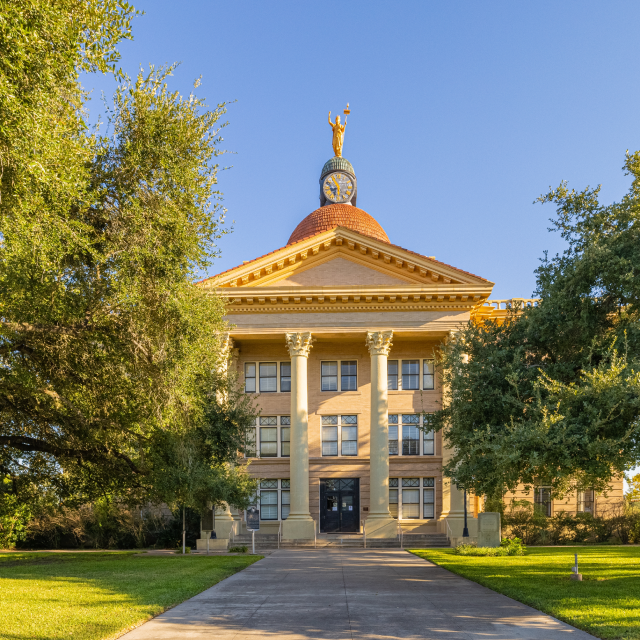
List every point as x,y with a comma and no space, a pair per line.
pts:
351,595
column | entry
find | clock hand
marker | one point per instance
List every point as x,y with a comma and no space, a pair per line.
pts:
337,185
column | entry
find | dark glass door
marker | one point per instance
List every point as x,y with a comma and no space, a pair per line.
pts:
340,505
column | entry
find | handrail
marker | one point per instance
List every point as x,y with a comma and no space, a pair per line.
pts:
364,533
279,532
401,535
315,537
450,533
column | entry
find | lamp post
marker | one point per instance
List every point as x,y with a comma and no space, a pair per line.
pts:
465,531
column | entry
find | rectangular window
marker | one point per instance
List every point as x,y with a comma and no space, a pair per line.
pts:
329,435
428,375
410,498
251,442
285,377
393,435
268,377
585,501
393,497
285,436
542,500
329,374
249,377
428,438
285,501
349,434
429,498
349,375
410,374
269,500
268,437
410,435
392,375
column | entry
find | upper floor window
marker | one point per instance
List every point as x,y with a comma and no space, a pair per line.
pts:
348,375
268,379
268,437
407,428
271,438
285,436
392,375
428,374
340,434
411,374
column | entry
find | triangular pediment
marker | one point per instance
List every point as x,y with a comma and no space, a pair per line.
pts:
342,257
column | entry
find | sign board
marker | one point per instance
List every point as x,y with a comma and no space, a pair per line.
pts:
253,518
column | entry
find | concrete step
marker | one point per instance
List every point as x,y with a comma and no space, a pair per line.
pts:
333,541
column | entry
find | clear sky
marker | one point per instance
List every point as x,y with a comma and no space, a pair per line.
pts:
462,114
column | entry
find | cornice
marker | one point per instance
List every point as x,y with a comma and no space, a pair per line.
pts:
391,259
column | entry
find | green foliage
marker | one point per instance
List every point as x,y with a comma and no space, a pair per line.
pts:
241,549
513,546
111,367
553,394
92,596
508,547
633,494
606,603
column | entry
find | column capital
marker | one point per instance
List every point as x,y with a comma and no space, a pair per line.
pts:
299,344
379,342
226,344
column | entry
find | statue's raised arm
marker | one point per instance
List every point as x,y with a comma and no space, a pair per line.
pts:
331,123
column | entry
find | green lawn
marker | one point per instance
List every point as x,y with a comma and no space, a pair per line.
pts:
606,603
99,595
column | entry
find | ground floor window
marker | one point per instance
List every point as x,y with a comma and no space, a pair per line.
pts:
412,498
586,501
542,500
274,499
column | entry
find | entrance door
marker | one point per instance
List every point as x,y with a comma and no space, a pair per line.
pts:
340,505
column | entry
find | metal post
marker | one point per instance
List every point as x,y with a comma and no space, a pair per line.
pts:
315,539
184,530
253,542
209,538
465,531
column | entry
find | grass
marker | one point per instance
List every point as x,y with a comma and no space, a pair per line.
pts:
91,596
606,603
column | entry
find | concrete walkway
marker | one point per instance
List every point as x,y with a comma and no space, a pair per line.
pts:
351,594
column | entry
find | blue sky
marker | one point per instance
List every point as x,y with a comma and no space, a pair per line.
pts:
462,114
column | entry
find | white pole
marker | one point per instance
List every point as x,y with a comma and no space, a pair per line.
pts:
253,542
184,550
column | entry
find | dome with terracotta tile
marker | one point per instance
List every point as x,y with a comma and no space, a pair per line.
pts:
338,215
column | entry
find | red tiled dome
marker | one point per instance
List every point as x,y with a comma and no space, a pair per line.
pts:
338,215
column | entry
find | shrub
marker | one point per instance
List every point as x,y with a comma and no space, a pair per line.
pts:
241,549
513,546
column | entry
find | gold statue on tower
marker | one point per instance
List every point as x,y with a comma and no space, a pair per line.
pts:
338,132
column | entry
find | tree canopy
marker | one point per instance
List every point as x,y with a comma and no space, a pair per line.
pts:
552,395
110,357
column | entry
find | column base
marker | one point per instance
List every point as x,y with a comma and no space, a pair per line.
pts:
223,527
382,527
303,529
218,544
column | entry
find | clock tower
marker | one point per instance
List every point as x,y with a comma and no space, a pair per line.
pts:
338,184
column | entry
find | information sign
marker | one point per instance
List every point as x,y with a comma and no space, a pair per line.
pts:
253,518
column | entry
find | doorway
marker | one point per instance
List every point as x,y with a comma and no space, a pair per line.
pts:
340,505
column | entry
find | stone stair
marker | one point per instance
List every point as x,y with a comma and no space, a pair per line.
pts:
336,541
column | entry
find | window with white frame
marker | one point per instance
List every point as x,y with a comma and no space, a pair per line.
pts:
405,374
405,435
406,495
411,374
393,435
268,437
249,377
274,499
348,371
542,500
285,436
267,377
340,435
428,498
271,437
586,501
392,375
428,375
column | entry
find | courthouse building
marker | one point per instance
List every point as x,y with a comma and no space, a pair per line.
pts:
337,331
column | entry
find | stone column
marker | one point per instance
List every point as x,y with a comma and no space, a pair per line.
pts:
299,525
379,523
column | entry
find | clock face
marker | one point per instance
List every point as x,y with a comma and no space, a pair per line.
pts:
338,187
